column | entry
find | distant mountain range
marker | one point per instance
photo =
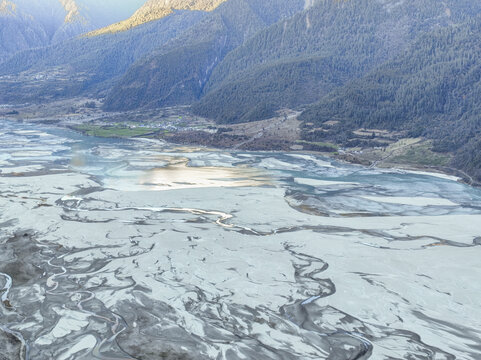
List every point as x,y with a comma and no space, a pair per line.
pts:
28,24
411,65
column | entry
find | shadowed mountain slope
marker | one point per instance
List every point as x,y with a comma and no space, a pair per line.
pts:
299,60
432,90
178,73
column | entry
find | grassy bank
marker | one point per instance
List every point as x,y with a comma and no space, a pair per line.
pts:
118,131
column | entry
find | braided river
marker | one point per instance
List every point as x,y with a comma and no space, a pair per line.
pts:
118,249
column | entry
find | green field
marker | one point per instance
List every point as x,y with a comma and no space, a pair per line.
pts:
113,131
318,145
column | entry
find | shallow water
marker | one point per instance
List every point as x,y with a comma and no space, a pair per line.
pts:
120,249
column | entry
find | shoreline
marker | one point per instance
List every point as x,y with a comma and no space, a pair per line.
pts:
224,138
448,173
451,174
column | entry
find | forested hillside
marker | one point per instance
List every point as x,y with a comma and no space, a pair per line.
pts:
178,73
299,60
433,90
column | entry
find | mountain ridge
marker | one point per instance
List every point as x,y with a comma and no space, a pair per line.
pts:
7,8
72,11
154,10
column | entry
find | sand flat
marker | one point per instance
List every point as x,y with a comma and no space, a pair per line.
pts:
117,255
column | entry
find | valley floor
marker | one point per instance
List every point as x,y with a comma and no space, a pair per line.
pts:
281,133
121,249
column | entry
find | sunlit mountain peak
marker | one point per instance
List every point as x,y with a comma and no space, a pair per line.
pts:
156,9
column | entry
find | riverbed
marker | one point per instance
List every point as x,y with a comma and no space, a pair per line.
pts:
138,249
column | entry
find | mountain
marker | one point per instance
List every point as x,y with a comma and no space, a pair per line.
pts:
154,10
85,64
232,60
17,32
178,72
184,54
299,60
433,90
248,59
91,64
26,24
